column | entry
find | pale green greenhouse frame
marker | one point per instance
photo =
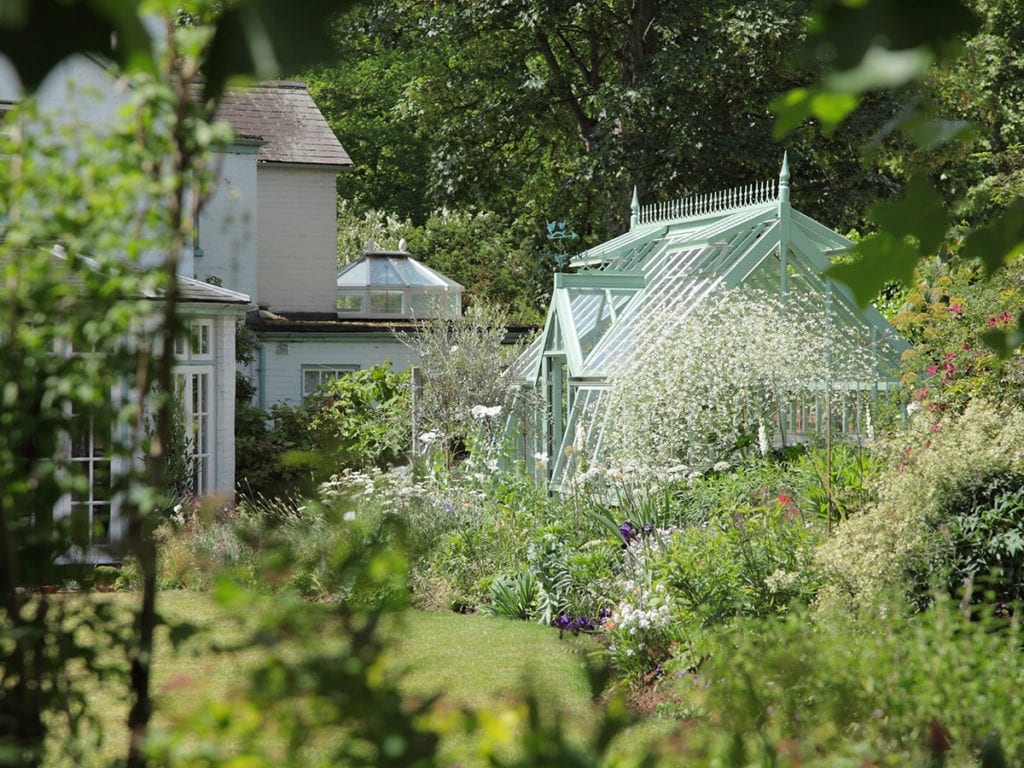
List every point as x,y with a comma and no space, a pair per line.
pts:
674,257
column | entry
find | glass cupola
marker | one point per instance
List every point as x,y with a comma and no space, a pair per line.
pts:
392,285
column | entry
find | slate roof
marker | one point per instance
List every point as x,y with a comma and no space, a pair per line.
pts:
283,114
193,290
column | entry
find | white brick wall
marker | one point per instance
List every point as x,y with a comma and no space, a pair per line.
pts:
227,225
297,228
283,361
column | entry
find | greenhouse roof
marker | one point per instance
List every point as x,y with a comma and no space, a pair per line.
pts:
677,254
394,284
392,269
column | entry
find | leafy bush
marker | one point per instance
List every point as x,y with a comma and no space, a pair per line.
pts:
465,367
513,597
983,548
938,689
356,421
745,561
905,541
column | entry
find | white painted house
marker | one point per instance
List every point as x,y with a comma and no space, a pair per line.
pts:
81,91
265,248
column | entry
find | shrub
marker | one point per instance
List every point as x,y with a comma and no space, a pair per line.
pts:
465,366
937,689
904,541
356,421
751,561
981,544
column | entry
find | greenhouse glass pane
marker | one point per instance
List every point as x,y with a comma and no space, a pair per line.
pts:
527,362
350,301
386,302
426,304
382,272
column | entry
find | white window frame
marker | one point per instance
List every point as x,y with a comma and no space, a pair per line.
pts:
326,372
91,462
198,344
193,385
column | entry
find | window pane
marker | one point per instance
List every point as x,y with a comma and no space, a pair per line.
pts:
350,301
310,381
389,302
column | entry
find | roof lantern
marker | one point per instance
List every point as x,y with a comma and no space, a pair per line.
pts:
393,285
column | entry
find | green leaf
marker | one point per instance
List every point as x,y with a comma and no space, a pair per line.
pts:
999,241
268,39
881,68
1004,342
832,108
883,259
920,214
791,109
229,594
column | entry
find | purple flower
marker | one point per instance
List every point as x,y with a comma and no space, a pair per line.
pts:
563,621
648,529
586,624
626,529
448,506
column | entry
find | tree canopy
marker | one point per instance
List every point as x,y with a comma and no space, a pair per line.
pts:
544,109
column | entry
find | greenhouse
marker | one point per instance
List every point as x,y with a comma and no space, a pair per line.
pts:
392,285
619,321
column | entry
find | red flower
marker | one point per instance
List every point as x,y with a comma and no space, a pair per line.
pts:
784,499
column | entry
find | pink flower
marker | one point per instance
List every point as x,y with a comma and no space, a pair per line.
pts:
784,499
933,369
956,309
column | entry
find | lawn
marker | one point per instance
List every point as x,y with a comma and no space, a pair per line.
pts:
467,661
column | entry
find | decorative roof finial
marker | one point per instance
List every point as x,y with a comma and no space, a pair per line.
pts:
402,246
634,210
784,179
370,246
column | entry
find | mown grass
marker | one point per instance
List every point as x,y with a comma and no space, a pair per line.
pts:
468,662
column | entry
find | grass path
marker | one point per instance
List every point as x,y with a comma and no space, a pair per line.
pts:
469,661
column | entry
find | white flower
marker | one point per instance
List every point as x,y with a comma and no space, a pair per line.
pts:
762,437
428,438
721,466
483,412
348,517
541,459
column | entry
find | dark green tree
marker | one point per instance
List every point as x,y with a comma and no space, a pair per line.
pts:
542,109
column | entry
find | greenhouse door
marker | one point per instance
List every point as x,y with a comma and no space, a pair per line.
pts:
556,403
